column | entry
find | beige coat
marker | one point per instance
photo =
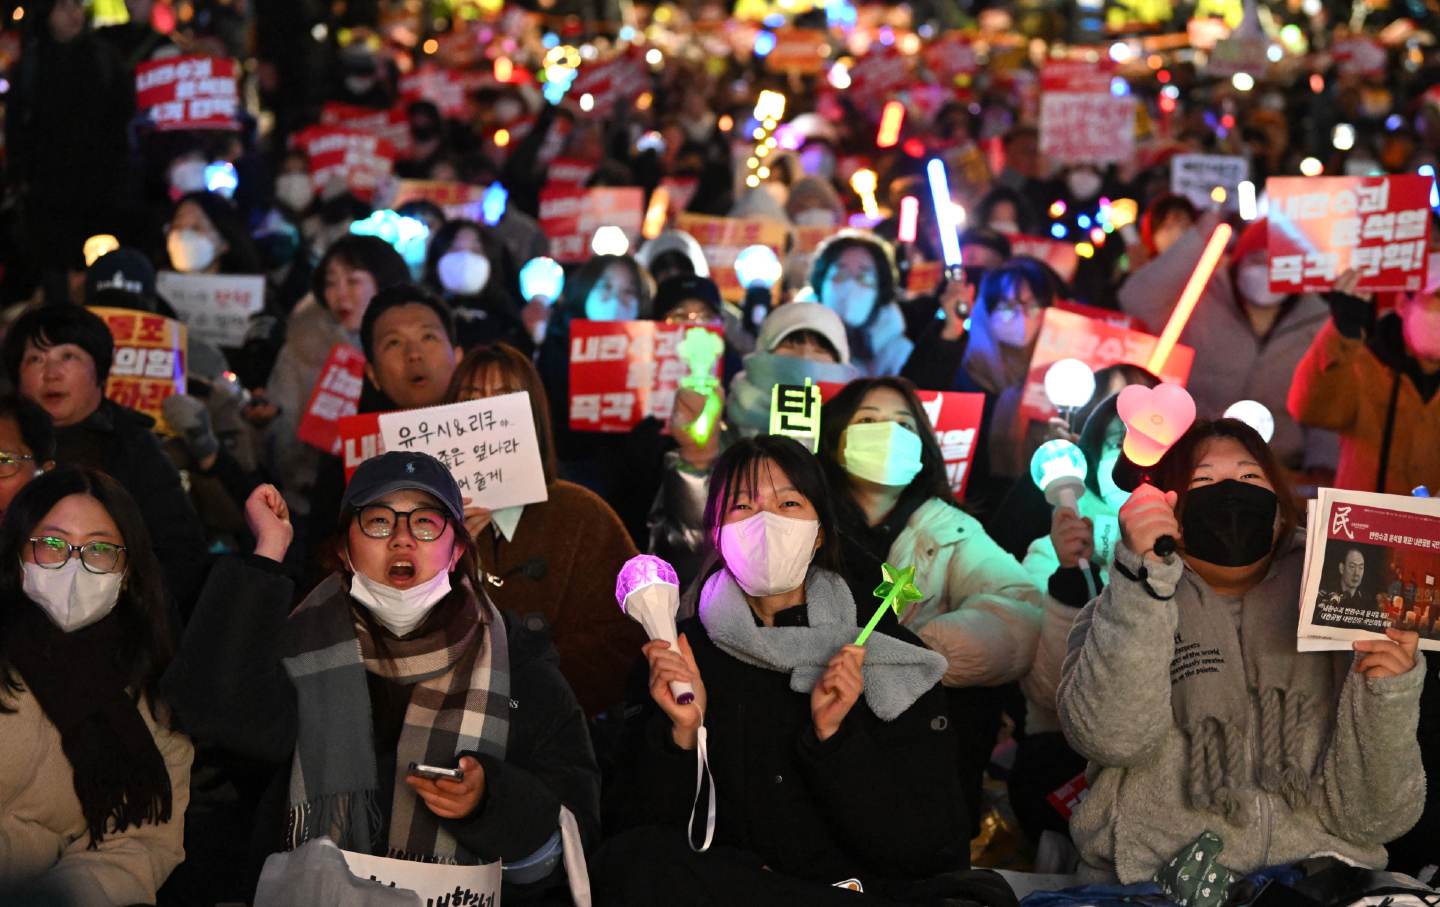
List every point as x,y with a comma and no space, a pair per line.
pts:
44,840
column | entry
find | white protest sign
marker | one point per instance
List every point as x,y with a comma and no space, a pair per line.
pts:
215,307
488,445
437,884
1197,176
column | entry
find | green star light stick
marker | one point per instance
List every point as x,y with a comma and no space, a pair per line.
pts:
701,349
896,593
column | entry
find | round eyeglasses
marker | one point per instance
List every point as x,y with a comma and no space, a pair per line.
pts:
10,463
52,553
378,521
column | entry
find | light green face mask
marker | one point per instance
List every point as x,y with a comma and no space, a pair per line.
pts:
886,453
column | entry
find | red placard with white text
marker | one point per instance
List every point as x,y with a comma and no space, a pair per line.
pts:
724,238
456,199
570,216
336,395
359,160
360,440
1321,226
1058,255
877,76
802,51
445,88
617,80
1066,335
567,171
622,372
1081,122
149,360
950,55
189,93
391,125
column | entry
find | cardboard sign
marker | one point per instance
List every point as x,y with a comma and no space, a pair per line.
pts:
1059,255
359,440
1196,176
357,159
1321,226
1066,335
624,371
189,93
488,445
803,51
723,238
570,216
435,883
215,307
391,125
336,396
149,362
1087,128
458,200
617,80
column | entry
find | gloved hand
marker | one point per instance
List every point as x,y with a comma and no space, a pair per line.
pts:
1352,312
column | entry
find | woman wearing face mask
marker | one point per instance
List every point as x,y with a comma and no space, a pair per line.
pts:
207,236
854,274
1260,336
1184,690
94,777
473,271
397,658
803,731
1006,211
894,505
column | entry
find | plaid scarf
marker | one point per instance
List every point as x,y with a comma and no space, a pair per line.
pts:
459,702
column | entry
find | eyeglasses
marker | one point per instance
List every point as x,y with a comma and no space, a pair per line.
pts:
1016,307
378,521
10,463
865,279
97,557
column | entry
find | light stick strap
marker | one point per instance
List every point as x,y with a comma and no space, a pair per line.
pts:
702,772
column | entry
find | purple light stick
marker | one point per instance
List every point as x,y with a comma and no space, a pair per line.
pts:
649,593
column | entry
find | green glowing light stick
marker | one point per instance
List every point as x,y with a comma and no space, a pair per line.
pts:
701,349
895,593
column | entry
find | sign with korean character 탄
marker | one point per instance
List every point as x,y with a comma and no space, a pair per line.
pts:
1320,227
215,307
488,445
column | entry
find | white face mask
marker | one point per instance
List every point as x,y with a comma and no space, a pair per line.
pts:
768,554
1254,285
815,217
359,84
1421,327
886,453
1083,184
603,306
400,610
190,250
850,300
187,177
295,190
1008,327
464,272
71,596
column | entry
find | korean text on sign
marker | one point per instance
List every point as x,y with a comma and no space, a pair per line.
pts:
337,154
215,307
149,363
622,372
188,93
336,396
1197,176
723,238
1322,226
488,445
570,216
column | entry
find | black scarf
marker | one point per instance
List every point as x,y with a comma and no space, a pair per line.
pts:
79,679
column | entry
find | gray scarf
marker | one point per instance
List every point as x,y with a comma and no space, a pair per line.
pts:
896,673
1216,671
459,702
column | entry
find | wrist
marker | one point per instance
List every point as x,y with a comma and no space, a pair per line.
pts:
273,549
684,737
698,458
824,732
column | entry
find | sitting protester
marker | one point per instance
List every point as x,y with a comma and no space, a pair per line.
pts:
1283,755
397,658
94,778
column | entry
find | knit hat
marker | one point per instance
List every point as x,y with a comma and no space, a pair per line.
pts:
804,316
124,269
675,290
1254,238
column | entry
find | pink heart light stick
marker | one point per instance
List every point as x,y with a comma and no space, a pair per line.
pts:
1155,418
649,593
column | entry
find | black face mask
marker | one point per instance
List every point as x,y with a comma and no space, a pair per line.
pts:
1229,523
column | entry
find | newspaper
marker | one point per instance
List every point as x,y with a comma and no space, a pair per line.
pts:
1371,562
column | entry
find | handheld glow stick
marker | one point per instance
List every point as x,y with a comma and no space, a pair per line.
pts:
649,593
1155,418
1058,469
655,214
492,204
1069,384
864,182
610,240
909,218
945,217
896,592
1254,414
1188,298
758,265
701,349
892,118
543,278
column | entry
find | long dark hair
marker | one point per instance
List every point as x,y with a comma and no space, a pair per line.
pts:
241,257
148,636
930,482
520,372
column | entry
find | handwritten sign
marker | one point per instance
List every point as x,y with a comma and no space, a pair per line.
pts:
149,362
723,238
570,216
359,160
215,307
1322,226
1197,176
622,372
488,445
336,396
435,883
192,92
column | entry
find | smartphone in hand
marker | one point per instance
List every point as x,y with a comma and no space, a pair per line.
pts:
436,773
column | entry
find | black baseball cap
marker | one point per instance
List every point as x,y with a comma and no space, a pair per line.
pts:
400,470
124,269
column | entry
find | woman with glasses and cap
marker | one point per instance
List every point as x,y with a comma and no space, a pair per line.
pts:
398,658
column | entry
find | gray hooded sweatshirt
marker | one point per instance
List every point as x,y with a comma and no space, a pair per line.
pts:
1367,786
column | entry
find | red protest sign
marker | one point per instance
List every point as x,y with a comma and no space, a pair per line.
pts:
614,81
951,55
924,277
1058,255
336,395
803,51
1087,128
1095,313
570,216
877,76
624,371
1077,76
723,238
565,171
1066,335
445,88
1322,226
457,200
391,125
357,159
360,440
189,93
1359,56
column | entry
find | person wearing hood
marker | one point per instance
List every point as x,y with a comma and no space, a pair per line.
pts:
1260,335
1183,688
672,253
854,275
468,265
813,202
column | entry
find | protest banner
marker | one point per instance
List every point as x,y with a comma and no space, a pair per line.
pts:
1322,226
215,307
149,361
1371,563
191,92
951,55
358,160
434,883
392,125
723,238
1359,55
336,396
570,216
1197,176
359,440
1091,128
804,240
488,445
1067,335
877,76
1106,316
456,199
802,51
618,80
624,371
445,88
568,171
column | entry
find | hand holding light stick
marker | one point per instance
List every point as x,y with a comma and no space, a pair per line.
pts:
1155,418
1058,468
701,349
895,593
945,216
649,593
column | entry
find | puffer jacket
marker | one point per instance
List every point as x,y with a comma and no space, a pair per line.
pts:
981,610
44,839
